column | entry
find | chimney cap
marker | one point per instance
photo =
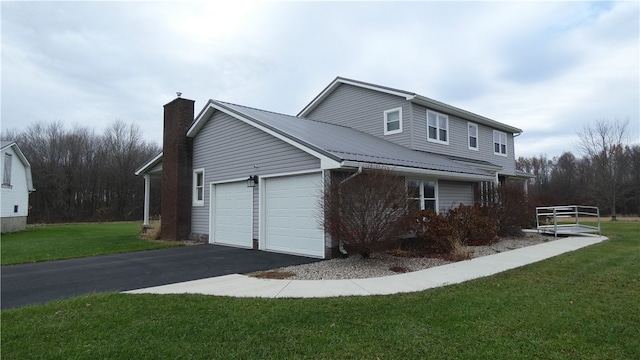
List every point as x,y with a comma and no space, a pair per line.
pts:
178,93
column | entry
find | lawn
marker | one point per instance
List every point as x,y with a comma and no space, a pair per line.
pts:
581,305
54,242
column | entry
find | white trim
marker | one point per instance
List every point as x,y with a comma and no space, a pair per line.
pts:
506,143
325,161
149,164
469,125
290,173
386,121
338,81
422,198
194,189
437,140
147,198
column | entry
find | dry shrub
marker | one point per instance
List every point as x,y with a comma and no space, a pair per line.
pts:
363,211
151,231
511,209
450,233
433,233
471,226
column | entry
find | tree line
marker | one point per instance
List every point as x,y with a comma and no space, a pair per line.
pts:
80,175
607,174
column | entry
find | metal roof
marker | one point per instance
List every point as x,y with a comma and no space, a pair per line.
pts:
346,144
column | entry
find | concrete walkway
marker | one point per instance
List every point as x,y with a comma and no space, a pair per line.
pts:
454,273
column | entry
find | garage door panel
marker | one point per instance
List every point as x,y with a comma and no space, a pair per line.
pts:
291,210
232,214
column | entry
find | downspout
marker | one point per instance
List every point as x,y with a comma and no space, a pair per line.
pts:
340,242
352,175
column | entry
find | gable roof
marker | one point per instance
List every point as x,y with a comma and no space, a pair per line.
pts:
149,165
341,145
409,96
6,144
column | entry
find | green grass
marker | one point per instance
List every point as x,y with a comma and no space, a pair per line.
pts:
54,242
582,305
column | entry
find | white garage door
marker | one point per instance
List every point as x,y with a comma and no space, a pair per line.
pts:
231,210
291,208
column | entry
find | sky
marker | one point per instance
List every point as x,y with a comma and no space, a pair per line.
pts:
548,68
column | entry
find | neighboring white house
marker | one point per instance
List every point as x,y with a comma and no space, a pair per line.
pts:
16,186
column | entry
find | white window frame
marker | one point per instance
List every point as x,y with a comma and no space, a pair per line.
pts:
501,146
469,136
196,201
6,171
437,127
422,197
386,121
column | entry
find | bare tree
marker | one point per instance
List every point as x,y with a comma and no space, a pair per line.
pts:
603,142
363,210
82,176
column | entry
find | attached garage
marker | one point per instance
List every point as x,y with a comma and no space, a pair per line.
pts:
231,214
290,215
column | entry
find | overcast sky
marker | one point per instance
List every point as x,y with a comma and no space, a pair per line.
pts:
545,67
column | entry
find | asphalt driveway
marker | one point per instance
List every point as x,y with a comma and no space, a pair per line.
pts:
42,282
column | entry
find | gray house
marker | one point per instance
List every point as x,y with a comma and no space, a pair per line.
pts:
245,177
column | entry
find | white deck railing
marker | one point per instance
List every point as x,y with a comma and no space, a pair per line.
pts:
566,219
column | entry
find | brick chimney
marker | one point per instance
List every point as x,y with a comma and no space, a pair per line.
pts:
177,170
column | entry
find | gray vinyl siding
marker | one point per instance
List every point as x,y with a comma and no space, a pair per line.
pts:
229,149
363,110
459,142
453,193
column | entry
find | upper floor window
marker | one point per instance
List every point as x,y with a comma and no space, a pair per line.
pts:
473,136
198,187
437,127
499,143
393,121
422,195
6,174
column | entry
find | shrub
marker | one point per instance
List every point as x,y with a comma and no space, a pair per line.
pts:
152,231
362,210
433,233
510,208
450,233
472,227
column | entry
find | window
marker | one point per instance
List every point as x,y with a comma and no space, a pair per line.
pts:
393,121
437,127
499,143
6,175
198,187
422,194
473,136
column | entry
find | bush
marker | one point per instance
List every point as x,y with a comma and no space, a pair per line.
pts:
510,209
472,227
151,231
363,210
450,233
